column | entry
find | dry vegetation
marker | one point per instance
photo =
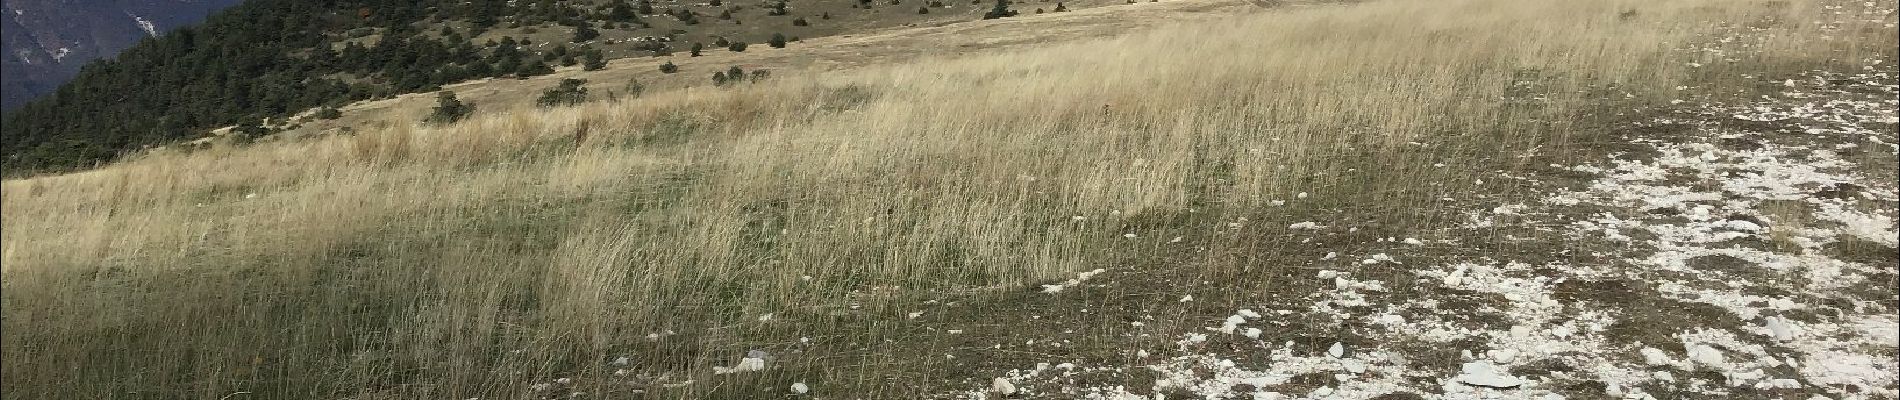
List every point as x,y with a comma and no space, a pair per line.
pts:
475,259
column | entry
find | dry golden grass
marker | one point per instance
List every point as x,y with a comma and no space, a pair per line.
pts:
411,262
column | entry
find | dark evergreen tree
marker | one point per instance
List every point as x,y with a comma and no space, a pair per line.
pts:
696,48
777,41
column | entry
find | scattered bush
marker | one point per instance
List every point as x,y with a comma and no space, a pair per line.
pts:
448,109
800,21
1001,10
669,68
1061,8
249,129
584,32
533,68
328,112
593,60
736,46
568,93
923,10
697,46
634,88
777,41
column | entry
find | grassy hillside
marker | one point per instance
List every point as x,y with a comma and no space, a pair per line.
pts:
806,215
258,64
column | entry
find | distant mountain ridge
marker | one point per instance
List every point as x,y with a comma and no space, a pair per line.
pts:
47,41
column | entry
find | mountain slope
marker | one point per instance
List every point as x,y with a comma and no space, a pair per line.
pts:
1482,170
46,41
253,64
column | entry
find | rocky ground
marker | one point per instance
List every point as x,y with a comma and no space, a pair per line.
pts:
1721,249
